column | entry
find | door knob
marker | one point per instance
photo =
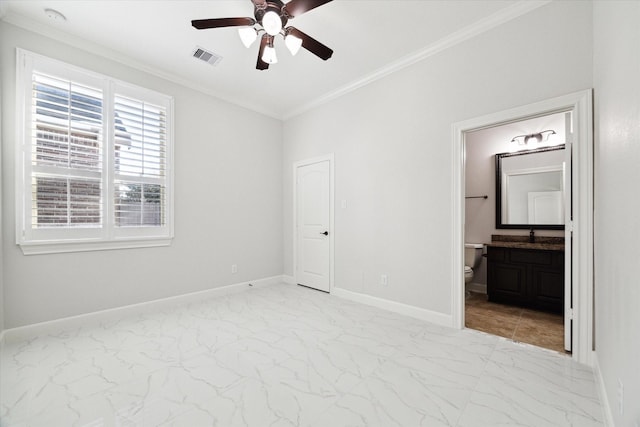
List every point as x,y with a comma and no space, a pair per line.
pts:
326,233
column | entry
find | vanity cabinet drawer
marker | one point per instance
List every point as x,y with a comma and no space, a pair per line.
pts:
528,256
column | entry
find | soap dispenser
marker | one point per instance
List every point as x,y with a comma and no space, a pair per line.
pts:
532,238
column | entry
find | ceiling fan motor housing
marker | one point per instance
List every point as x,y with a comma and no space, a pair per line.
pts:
276,6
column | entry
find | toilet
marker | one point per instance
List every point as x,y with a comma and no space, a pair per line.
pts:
472,259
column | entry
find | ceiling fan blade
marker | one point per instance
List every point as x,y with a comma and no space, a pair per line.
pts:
298,7
203,24
261,65
311,44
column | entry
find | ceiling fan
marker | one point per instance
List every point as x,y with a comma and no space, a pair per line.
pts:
271,16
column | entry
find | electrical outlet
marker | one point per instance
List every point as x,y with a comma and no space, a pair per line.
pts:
384,280
234,268
620,396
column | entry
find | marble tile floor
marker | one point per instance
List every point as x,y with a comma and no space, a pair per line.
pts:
284,355
519,324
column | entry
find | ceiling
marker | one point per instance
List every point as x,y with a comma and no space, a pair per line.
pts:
367,37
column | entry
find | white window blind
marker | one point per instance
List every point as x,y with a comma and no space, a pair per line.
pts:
96,160
140,163
66,146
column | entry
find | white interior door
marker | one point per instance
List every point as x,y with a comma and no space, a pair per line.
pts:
568,233
312,225
545,207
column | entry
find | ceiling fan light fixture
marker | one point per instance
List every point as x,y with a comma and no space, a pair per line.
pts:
293,43
271,19
272,23
248,35
269,55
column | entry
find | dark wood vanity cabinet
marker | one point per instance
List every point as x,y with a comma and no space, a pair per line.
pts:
526,277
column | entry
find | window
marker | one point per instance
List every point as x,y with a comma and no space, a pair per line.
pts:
94,165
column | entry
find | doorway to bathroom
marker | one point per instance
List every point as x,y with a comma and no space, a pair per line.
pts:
516,188
534,276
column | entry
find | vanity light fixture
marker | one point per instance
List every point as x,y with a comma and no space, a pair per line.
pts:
533,137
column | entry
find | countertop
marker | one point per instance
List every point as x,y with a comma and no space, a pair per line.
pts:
527,245
522,242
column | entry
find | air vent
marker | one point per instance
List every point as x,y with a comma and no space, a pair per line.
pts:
206,56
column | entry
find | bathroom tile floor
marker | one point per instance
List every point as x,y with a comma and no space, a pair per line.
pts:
519,324
284,355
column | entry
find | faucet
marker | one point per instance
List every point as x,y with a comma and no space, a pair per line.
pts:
532,237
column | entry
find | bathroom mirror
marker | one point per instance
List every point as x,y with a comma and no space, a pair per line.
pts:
530,189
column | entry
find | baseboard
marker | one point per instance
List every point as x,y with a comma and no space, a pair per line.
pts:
477,287
95,318
397,307
602,392
289,280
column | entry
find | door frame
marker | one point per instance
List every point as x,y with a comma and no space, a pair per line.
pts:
581,105
330,158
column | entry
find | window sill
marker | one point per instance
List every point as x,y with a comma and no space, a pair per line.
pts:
89,246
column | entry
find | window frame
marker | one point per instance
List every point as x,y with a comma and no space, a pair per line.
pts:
107,235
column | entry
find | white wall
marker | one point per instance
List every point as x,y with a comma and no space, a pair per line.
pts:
392,144
617,227
228,192
2,179
481,146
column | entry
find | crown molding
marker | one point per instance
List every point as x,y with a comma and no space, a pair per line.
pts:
516,10
3,9
520,8
95,48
